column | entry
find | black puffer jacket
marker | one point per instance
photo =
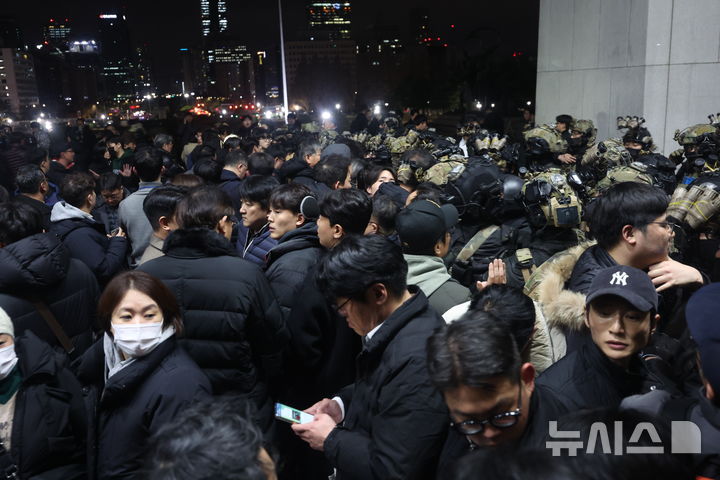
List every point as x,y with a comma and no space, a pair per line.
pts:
296,170
589,379
232,320
40,265
87,241
137,401
590,262
49,428
395,420
288,263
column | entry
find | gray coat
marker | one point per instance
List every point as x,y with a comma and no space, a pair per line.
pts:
135,223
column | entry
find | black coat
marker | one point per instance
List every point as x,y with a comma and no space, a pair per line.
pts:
298,171
230,184
88,242
137,401
589,379
232,320
590,262
323,348
49,428
395,421
41,265
288,263
41,207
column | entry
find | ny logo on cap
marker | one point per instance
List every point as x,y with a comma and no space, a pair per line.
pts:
619,278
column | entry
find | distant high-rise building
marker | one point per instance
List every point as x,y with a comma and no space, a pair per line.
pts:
420,24
329,21
10,33
117,56
230,68
145,82
259,61
18,88
193,70
213,16
57,32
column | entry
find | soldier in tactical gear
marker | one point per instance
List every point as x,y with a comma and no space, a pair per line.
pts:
491,219
543,147
637,139
554,212
700,144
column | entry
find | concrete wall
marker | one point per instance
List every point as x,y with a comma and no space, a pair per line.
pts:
600,59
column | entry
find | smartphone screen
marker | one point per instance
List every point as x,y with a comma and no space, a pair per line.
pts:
291,415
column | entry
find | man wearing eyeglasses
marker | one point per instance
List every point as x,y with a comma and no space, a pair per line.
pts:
391,422
491,395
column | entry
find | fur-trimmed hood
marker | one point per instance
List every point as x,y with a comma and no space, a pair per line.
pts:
562,308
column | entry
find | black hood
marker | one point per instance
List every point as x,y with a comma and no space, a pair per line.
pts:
34,262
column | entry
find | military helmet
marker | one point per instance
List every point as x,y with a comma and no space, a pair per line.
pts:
476,189
549,136
695,134
640,135
587,129
550,200
635,172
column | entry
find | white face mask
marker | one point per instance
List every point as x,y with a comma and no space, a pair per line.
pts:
8,360
137,339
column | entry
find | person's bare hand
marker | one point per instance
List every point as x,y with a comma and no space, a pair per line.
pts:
118,233
566,158
496,275
328,407
126,170
315,432
671,273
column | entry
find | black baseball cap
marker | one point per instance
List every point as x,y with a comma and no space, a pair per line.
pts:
625,282
701,314
422,223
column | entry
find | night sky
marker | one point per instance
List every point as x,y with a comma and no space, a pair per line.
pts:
166,25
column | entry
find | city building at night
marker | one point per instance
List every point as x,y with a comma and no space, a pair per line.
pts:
18,88
57,32
117,56
213,16
329,21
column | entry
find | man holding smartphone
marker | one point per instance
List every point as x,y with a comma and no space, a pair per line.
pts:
391,422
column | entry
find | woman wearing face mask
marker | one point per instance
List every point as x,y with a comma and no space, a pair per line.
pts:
42,414
144,378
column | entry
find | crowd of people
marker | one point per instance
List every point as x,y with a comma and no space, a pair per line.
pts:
442,307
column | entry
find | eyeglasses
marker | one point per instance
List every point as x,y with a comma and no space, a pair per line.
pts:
669,226
342,305
501,421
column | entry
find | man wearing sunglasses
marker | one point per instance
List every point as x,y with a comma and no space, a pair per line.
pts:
491,395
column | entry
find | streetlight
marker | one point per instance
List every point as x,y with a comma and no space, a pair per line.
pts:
337,106
325,115
478,105
528,103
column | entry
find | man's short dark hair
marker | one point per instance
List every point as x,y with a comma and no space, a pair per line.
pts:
209,170
36,156
360,261
215,439
564,118
470,351
511,307
420,118
148,163
331,170
162,202
233,157
76,187
384,212
348,207
18,221
249,144
203,207
626,203
29,178
289,197
110,182
260,163
428,191
257,189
